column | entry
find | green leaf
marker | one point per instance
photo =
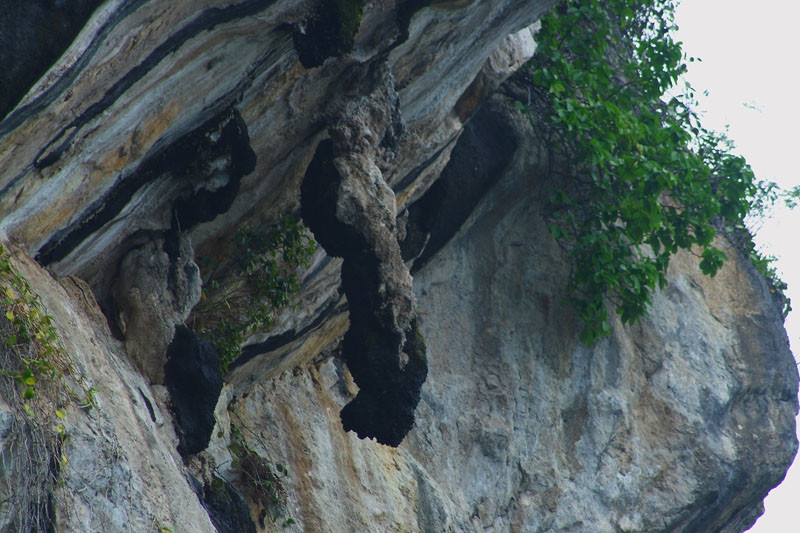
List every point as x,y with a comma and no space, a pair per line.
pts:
630,169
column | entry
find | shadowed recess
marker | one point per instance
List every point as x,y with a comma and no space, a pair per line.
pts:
194,381
33,34
194,159
480,157
330,32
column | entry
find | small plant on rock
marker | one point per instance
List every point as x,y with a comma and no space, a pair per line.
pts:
37,372
262,481
262,279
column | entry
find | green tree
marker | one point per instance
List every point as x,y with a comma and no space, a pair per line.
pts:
635,177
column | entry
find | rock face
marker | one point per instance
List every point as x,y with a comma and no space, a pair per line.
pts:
123,471
165,126
157,287
553,435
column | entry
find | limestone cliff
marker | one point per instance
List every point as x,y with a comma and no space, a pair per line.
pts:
427,377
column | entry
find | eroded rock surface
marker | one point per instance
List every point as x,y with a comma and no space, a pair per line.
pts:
167,125
520,426
157,286
352,212
123,471
554,435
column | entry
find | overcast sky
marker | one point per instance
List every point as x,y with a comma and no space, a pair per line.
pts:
752,72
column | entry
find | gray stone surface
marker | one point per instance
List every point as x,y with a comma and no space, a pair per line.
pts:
169,118
74,150
123,472
658,428
661,427
153,293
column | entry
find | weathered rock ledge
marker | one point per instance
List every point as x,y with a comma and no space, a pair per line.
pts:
165,126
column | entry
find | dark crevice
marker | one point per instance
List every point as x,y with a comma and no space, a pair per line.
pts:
318,194
403,14
194,381
21,114
405,11
193,159
483,152
149,405
226,507
330,32
412,177
276,341
47,508
388,366
708,513
33,34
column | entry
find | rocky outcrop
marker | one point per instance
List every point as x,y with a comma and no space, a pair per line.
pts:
520,427
166,126
352,212
122,470
553,435
115,155
194,381
157,287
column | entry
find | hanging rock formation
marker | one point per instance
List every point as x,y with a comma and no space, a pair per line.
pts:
427,377
352,212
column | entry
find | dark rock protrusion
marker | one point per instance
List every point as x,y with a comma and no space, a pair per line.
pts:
220,153
194,381
226,507
383,348
483,152
385,405
209,162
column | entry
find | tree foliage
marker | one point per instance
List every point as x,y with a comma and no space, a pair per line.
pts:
263,279
634,177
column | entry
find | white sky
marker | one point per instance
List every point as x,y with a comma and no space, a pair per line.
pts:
750,59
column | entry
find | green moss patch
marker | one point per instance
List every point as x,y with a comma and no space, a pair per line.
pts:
330,32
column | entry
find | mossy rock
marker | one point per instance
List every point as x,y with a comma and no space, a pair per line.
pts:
227,508
331,31
415,343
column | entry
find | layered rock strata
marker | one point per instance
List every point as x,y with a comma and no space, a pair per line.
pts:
165,126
